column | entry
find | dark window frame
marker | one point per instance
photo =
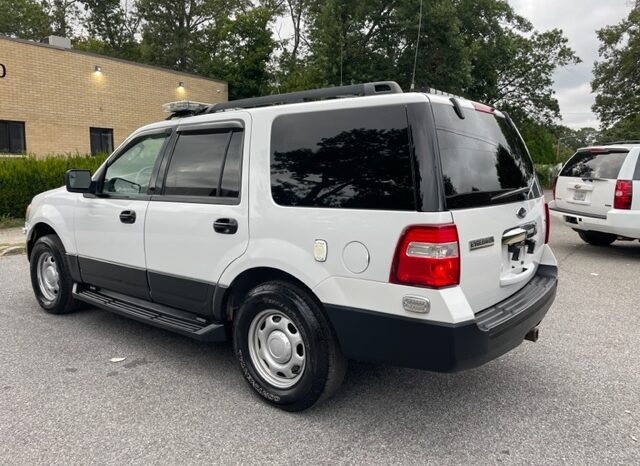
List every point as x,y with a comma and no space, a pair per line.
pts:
23,125
134,139
101,131
412,166
230,126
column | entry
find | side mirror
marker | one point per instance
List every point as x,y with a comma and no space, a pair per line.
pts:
78,181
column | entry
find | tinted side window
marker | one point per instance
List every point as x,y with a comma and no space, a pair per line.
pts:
230,186
355,158
199,160
594,165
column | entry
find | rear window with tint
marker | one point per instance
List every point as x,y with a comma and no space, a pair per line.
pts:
482,156
351,158
594,165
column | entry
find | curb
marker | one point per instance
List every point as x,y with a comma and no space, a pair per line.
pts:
13,250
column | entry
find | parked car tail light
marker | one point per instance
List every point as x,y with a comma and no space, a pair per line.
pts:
623,195
427,255
547,222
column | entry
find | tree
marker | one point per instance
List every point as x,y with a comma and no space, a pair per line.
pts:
63,14
540,141
25,19
477,48
173,31
626,129
111,28
617,75
239,50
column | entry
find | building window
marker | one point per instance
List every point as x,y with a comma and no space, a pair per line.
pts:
101,140
12,139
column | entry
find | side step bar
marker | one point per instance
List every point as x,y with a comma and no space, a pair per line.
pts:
151,313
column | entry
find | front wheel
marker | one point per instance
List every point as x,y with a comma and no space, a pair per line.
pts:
286,348
50,278
596,238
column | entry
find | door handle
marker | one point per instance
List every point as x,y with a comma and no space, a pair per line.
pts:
226,226
128,216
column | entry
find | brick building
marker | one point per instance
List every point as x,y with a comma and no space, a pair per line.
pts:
57,100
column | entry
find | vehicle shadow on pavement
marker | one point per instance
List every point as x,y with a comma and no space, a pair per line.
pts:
381,391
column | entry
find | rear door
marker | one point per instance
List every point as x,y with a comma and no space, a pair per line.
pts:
587,181
199,223
501,234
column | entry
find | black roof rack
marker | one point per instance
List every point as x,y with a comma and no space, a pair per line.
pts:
355,90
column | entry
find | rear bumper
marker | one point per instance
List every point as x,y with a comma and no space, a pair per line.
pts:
420,344
616,222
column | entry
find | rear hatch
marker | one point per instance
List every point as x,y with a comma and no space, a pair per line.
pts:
587,182
494,198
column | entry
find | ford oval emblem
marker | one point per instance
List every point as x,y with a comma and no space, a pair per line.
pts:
522,212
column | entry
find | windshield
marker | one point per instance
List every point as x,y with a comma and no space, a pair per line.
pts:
594,165
482,156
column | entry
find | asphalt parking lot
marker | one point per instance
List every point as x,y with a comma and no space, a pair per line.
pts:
572,397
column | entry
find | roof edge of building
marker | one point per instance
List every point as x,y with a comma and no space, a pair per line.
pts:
107,57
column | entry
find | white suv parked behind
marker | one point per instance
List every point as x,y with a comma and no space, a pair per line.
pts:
356,222
598,193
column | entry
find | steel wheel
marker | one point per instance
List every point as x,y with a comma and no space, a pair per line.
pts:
48,276
276,349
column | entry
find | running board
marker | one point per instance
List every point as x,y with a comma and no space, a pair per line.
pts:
144,311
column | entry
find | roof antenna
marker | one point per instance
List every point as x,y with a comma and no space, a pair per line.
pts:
415,58
341,45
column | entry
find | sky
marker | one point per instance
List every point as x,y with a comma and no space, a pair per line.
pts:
578,19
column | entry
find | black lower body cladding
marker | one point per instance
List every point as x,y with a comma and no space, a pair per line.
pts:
407,342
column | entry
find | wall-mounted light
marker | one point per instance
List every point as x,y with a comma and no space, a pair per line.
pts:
181,85
98,69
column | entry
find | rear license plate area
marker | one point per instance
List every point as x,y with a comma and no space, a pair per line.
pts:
579,195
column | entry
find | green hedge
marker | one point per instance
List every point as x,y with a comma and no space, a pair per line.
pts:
21,178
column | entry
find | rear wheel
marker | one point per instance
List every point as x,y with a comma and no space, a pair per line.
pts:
286,348
596,238
50,278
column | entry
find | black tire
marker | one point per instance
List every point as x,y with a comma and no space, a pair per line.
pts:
596,238
324,366
63,301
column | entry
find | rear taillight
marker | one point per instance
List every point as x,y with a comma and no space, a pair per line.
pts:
547,222
623,195
554,183
427,255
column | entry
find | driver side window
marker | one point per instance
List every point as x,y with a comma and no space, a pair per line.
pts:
131,171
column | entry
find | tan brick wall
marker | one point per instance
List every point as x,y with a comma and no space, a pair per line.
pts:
59,96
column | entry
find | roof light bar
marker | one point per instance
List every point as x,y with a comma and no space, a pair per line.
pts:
181,106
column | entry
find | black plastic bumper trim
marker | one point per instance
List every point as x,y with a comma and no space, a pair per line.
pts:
407,342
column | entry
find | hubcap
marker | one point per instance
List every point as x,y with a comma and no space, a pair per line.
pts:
276,348
48,276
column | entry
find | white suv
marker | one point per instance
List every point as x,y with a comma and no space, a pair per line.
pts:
356,222
598,193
